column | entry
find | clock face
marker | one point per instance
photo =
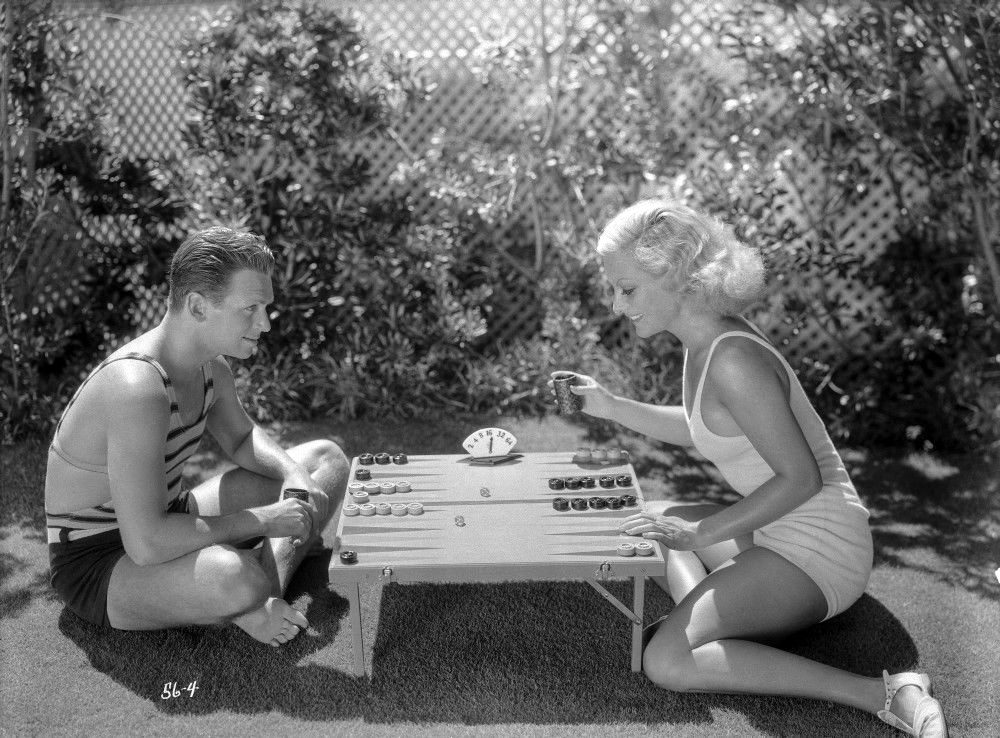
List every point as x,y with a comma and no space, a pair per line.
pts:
489,442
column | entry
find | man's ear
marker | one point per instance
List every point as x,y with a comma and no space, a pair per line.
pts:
196,304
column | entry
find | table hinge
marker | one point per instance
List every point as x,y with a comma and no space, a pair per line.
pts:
616,602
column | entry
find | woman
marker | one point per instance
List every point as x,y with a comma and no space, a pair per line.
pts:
796,550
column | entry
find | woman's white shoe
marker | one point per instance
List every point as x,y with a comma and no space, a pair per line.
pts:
928,717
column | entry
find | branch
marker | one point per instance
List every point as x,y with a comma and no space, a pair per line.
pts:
553,82
391,133
537,227
547,73
5,188
986,242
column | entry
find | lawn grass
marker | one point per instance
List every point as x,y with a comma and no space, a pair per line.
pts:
505,659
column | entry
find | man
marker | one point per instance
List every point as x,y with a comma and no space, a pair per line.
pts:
128,547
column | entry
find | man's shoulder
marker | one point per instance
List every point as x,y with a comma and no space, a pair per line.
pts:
131,379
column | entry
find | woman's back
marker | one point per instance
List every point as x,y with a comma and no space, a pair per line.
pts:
736,458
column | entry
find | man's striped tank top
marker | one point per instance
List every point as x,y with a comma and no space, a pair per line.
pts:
75,474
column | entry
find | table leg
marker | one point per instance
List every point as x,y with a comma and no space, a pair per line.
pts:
638,604
357,642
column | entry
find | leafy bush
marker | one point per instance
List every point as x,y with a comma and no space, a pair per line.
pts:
880,97
78,218
796,94
372,314
536,193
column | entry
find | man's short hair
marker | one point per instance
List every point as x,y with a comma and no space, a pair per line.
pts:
208,259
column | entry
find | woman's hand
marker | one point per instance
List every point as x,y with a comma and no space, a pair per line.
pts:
597,401
671,531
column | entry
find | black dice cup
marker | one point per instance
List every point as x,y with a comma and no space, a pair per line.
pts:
568,402
297,493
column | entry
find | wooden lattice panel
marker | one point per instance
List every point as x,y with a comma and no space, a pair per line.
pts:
132,47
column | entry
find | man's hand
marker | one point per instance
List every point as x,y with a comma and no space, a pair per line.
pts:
671,531
285,519
319,502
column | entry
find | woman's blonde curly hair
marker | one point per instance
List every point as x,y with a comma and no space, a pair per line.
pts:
701,254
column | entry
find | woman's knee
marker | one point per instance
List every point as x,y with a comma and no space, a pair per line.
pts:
667,661
235,580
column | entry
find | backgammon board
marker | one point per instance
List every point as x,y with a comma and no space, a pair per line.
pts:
447,518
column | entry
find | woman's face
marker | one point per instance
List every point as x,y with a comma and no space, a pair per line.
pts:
645,299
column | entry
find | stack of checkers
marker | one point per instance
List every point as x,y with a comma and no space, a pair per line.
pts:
585,455
607,482
399,509
367,459
361,491
642,548
594,503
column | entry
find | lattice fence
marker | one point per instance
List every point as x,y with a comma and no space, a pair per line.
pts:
131,47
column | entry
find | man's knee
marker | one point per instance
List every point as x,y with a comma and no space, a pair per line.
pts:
667,662
235,580
332,468
327,459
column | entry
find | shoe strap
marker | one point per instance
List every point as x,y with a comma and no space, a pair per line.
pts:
887,716
920,714
895,682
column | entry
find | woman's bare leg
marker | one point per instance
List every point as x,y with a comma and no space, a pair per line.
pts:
703,644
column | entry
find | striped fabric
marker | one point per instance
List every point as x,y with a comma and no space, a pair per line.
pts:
182,442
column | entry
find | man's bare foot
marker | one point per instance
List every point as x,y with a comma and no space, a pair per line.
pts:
275,622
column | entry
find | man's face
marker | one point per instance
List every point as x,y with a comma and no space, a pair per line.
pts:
237,322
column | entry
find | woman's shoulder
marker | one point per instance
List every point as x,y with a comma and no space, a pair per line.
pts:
742,361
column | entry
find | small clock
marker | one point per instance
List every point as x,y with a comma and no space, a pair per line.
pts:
490,445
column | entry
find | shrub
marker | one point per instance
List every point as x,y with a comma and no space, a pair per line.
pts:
883,97
372,314
801,112
78,218
537,192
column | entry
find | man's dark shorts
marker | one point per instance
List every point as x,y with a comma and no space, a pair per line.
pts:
81,570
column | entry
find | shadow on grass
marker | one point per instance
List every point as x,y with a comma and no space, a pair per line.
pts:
948,506
552,653
233,672
538,653
15,601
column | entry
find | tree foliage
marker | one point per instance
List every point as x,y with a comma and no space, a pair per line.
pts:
75,213
782,128
372,314
904,97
